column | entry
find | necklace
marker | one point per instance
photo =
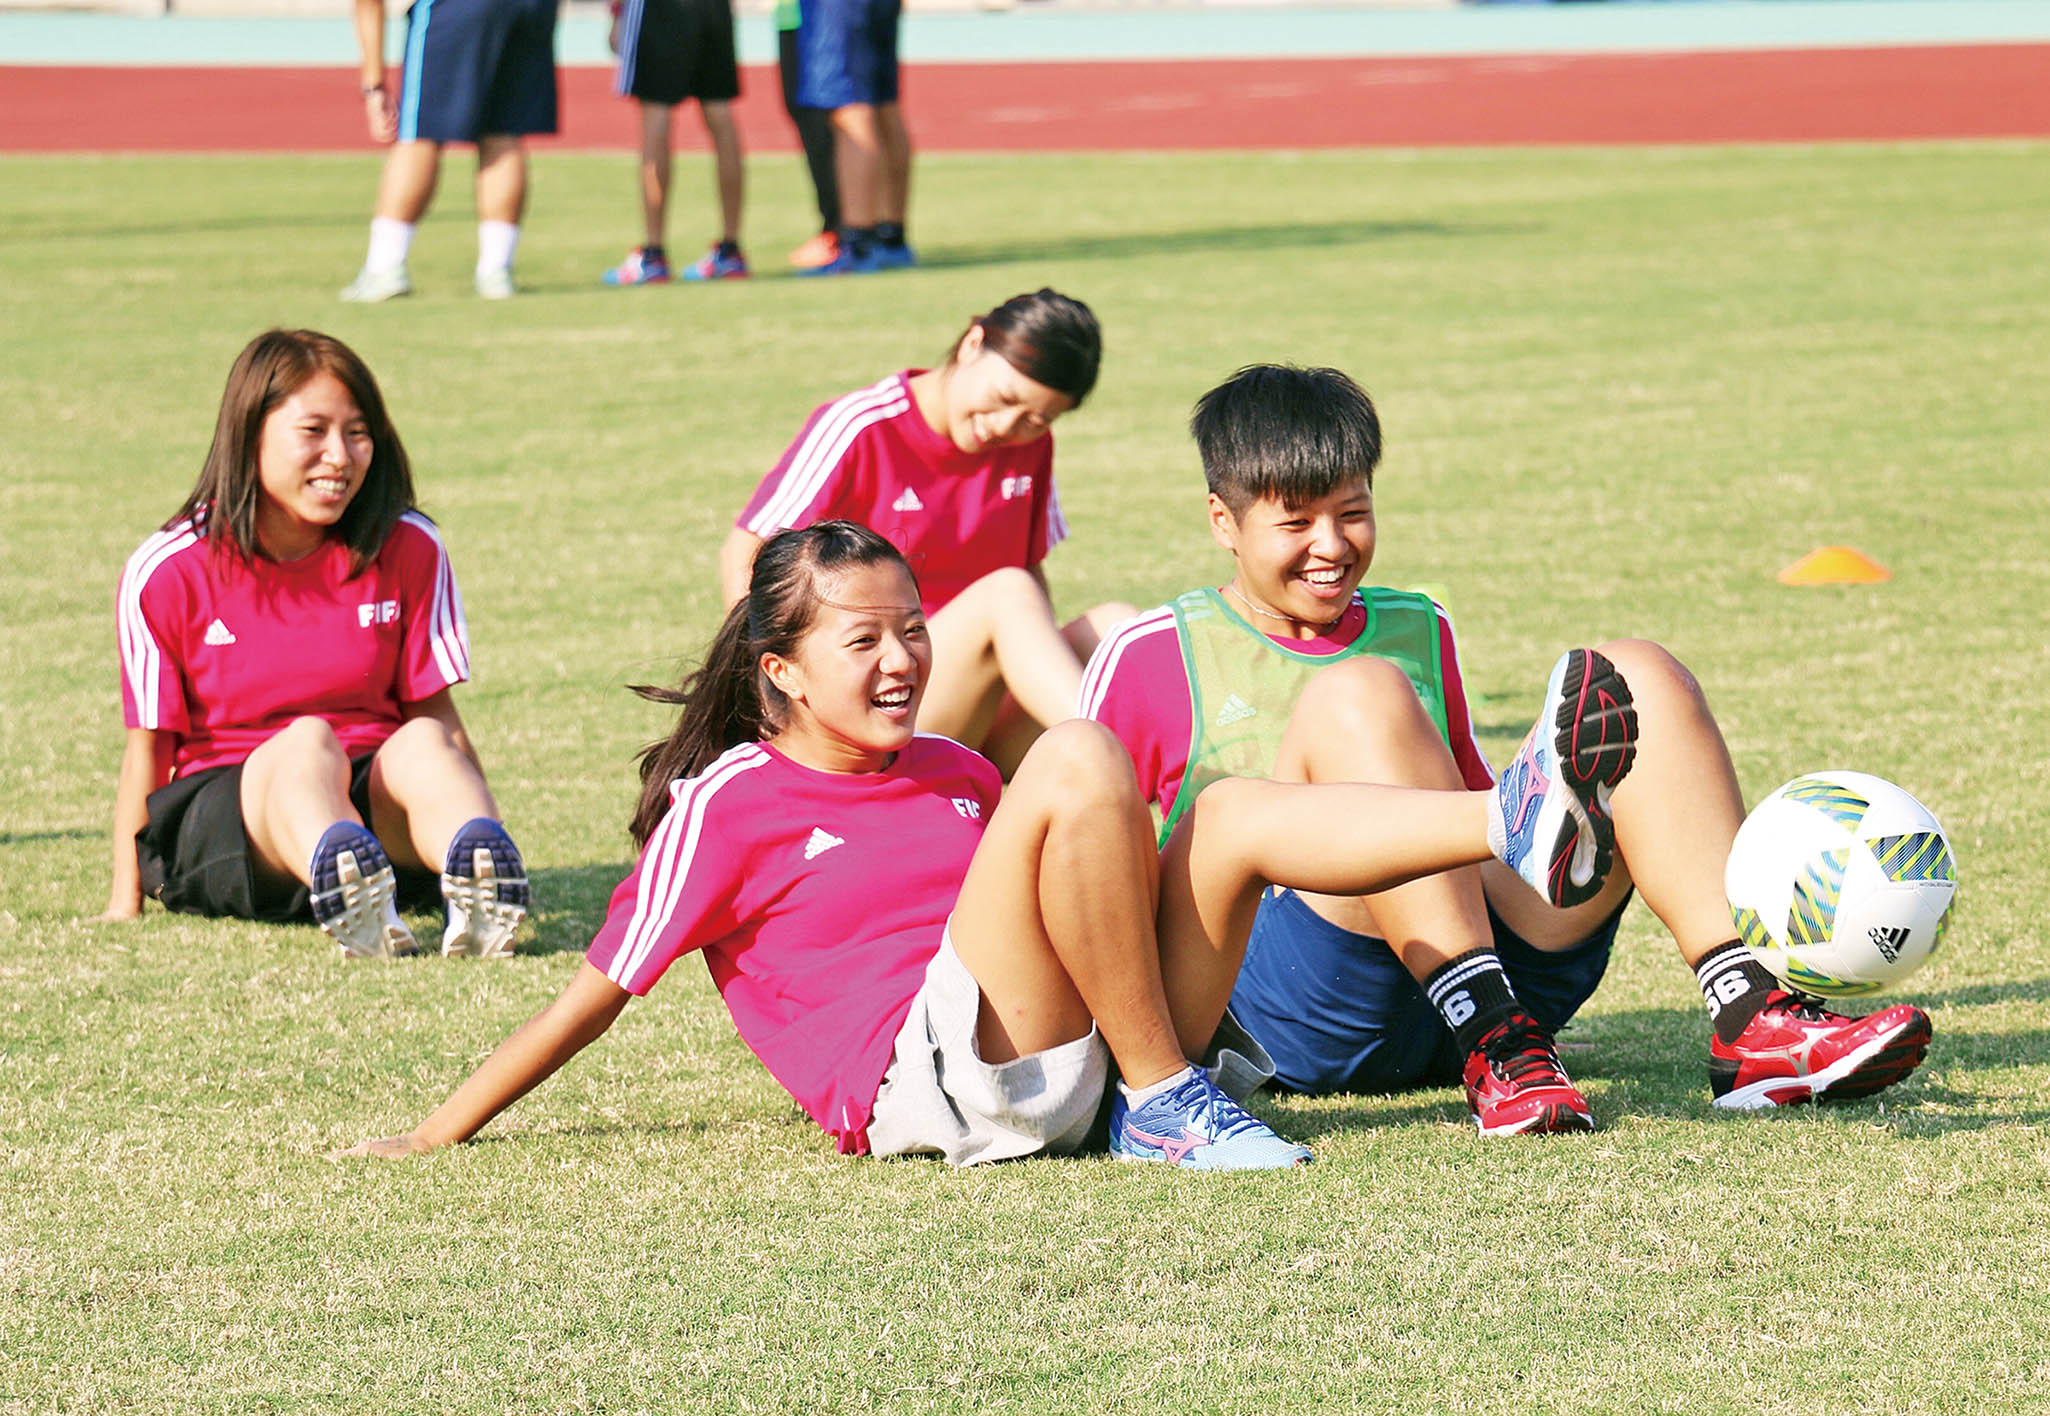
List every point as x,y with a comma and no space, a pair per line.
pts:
1233,590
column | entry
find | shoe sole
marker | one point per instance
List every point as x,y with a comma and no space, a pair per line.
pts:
367,925
1593,749
488,920
1877,1065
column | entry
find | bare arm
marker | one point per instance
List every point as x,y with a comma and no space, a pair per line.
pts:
737,563
145,766
522,1062
378,111
442,708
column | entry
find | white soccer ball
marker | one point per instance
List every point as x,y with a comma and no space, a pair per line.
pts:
1841,883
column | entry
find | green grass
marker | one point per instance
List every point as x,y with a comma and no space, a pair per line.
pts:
1621,389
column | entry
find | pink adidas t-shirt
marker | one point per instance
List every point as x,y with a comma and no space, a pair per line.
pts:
223,652
870,457
817,899
1137,686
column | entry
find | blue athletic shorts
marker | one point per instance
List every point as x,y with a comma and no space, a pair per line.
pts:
847,51
1339,1012
478,68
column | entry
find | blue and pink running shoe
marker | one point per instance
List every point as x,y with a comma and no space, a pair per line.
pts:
715,265
1549,820
639,268
1197,1127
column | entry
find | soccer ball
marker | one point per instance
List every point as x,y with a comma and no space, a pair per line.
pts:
1841,883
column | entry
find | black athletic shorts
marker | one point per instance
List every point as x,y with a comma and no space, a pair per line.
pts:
195,855
671,50
478,69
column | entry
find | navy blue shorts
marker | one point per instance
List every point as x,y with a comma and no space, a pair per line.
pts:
1340,1013
671,50
478,69
848,52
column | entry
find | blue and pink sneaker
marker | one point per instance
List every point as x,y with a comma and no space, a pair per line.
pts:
1549,817
717,264
355,894
1197,1127
484,890
639,268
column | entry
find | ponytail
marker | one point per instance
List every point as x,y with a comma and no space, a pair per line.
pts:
727,700
721,707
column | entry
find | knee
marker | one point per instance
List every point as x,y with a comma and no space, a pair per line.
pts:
1652,672
1009,588
1082,767
1363,699
417,742
305,739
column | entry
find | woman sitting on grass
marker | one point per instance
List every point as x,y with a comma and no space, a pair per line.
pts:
288,642
954,465
925,970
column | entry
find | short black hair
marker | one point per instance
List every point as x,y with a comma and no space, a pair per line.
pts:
1276,430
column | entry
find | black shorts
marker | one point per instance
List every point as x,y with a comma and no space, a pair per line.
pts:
671,50
195,856
478,69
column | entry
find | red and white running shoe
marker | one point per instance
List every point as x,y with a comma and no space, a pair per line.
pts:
1515,1085
1796,1050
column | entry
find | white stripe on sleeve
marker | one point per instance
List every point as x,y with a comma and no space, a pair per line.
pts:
1103,664
1056,523
819,454
448,636
141,655
668,857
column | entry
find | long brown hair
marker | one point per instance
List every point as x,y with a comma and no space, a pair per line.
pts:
275,365
727,699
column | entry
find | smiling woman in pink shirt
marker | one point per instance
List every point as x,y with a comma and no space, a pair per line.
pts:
289,640
954,465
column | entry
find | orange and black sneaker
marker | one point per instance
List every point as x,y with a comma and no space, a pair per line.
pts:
1796,1050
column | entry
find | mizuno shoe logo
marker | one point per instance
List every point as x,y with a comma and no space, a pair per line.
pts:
1889,942
218,633
1235,710
820,843
907,500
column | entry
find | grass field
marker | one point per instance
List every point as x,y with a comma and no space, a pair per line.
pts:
1621,389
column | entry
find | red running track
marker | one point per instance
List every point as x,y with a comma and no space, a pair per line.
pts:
1961,91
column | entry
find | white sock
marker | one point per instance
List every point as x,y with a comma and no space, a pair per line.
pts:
390,241
496,242
1141,1095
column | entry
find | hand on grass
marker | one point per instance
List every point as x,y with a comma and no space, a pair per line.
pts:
390,1148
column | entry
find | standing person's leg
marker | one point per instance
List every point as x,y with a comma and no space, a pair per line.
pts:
815,132
840,70
656,126
404,191
894,141
729,171
501,202
518,100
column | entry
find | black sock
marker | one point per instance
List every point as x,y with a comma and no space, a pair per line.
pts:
1734,985
729,250
890,233
654,253
858,240
1472,995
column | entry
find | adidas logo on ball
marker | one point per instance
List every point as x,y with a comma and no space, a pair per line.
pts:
1889,942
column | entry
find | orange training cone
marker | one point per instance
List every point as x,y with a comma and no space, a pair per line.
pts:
1834,565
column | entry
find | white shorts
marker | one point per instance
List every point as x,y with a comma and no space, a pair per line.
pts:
940,1098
